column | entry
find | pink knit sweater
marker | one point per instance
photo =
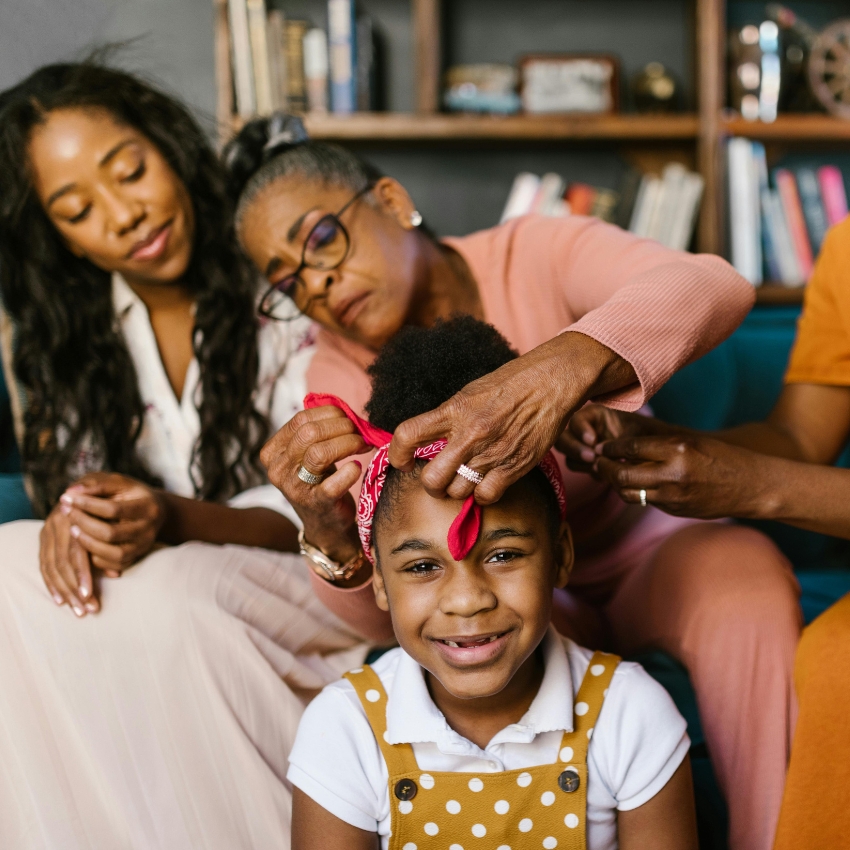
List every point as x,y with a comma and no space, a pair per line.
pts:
658,309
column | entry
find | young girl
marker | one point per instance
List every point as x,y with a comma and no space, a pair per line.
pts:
485,728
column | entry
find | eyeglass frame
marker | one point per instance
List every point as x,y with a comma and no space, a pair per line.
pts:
296,275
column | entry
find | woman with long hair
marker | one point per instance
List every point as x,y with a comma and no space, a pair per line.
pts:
595,313
143,387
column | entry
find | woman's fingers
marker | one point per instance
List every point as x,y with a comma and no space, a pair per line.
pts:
420,431
641,449
320,457
120,555
82,566
59,572
123,531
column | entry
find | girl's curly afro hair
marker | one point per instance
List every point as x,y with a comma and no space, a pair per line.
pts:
420,368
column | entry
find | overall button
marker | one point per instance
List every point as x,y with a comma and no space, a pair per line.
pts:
568,781
405,789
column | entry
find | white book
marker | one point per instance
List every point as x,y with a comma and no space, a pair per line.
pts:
550,195
243,70
277,61
521,197
260,55
673,186
649,196
316,69
686,217
744,210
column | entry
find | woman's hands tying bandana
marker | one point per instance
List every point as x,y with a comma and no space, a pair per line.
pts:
319,439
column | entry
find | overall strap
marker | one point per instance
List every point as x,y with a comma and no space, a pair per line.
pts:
399,757
588,704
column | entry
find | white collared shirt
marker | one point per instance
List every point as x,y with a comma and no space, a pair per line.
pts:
171,425
638,742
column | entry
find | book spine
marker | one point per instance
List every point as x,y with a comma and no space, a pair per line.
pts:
813,211
366,83
791,275
834,194
521,197
793,208
260,55
343,57
296,91
243,72
277,58
744,210
316,70
770,241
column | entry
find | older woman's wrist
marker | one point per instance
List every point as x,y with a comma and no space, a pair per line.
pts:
589,368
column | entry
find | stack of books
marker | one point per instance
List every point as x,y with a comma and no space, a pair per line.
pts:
661,207
281,63
778,219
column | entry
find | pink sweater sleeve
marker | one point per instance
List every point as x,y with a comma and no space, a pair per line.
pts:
657,308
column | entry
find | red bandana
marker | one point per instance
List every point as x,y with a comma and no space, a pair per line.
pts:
467,524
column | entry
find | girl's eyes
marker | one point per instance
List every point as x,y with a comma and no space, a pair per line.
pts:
421,568
502,557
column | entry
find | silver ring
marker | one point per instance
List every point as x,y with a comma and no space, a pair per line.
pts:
470,474
642,495
310,478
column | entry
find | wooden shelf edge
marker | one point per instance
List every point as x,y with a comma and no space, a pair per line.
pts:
403,126
775,295
791,128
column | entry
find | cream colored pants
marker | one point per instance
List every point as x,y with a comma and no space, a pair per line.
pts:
164,721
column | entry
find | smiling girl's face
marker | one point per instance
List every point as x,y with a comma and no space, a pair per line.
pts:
112,196
471,624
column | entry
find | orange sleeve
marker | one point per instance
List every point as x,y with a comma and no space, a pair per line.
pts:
821,352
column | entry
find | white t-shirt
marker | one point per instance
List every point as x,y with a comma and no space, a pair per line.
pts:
171,425
638,742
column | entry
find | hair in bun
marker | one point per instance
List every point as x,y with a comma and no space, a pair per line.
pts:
267,149
256,143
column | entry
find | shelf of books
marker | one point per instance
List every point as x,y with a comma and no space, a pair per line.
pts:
791,128
412,127
778,295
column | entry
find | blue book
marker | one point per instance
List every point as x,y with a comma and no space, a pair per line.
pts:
342,47
770,250
813,209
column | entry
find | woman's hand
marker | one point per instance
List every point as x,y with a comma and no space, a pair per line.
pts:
65,565
114,518
318,439
595,424
502,424
686,475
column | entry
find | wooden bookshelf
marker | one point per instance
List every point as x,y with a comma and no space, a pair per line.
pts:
777,295
791,128
696,138
436,126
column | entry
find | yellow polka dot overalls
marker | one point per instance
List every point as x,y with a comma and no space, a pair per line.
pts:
538,807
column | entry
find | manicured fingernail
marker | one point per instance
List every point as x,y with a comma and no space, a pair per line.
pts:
588,455
589,437
112,574
66,499
65,507
78,609
75,487
58,599
91,607
85,590
75,531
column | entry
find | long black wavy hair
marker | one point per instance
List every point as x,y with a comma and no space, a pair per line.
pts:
82,396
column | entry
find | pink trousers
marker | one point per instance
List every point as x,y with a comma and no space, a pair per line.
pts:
723,601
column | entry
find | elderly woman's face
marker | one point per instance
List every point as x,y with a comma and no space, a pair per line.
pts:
368,297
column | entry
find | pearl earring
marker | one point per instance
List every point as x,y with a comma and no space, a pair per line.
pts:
416,218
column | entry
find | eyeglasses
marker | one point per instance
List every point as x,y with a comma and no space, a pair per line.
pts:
325,248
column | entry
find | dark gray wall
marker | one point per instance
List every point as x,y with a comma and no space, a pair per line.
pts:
173,40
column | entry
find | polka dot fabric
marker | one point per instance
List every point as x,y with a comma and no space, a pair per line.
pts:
538,807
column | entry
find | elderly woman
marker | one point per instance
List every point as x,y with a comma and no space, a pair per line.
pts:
779,469
346,245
